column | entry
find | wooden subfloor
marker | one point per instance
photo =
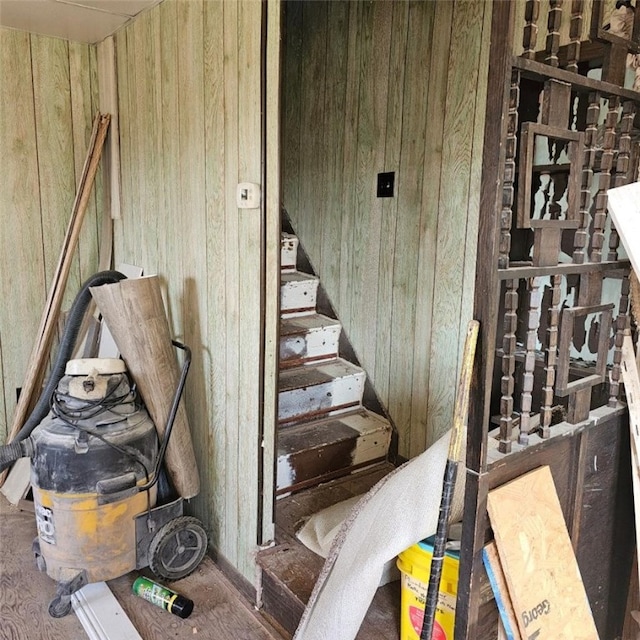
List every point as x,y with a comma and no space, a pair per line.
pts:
220,612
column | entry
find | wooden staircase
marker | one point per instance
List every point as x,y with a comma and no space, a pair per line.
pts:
324,430
333,441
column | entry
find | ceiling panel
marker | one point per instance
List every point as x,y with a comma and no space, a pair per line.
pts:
78,20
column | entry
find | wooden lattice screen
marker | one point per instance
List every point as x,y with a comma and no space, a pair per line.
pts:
552,281
572,134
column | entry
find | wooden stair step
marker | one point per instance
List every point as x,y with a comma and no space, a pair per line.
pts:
313,390
290,570
308,338
317,451
288,251
298,292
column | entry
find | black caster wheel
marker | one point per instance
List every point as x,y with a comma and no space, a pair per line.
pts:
37,554
178,548
60,606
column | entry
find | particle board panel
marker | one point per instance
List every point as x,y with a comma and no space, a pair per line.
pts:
538,560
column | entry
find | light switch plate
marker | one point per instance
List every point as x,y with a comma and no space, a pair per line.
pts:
248,195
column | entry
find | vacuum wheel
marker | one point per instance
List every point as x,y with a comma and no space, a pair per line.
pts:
60,606
178,548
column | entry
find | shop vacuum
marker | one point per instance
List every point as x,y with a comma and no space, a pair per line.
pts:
103,502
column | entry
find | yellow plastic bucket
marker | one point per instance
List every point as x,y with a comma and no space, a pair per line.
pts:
414,564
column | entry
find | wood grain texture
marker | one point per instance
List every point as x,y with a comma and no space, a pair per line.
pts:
377,258
220,611
21,255
539,563
189,90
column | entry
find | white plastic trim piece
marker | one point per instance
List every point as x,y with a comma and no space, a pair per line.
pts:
101,614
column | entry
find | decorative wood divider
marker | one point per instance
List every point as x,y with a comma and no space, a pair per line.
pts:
552,286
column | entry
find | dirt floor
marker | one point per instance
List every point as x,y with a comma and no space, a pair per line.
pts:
220,611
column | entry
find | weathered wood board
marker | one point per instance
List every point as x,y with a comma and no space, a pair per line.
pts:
542,574
624,207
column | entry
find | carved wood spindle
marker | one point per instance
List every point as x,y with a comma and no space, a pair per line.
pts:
621,327
533,322
508,364
551,356
506,214
604,180
530,33
623,162
553,32
590,149
575,33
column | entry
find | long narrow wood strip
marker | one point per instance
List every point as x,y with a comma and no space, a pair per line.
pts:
632,389
36,369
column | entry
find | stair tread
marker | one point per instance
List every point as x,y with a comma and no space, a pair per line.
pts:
290,570
311,374
300,324
296,276
335,428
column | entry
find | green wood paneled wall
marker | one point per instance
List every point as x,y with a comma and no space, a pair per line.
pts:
391,86
47,103
189,102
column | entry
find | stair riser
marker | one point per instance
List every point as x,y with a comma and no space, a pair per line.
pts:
309,467
317,344
298,296
288,252
319,399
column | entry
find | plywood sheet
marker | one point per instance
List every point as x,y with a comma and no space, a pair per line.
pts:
542,574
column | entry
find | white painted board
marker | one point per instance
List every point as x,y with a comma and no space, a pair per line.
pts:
101,614
624,207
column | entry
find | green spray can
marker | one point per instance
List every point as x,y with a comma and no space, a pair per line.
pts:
162,597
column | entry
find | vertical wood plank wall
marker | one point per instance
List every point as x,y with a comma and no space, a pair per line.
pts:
189,98
390,86
48,101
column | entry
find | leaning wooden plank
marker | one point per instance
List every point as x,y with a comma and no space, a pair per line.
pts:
101,614
135,315
631,381
16,485
539,564
508,622
624,207
36,368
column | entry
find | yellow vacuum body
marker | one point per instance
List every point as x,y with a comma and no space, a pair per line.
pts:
91,454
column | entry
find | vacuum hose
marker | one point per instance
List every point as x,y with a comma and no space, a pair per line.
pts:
11,452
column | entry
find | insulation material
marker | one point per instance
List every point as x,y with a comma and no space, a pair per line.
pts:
398,512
